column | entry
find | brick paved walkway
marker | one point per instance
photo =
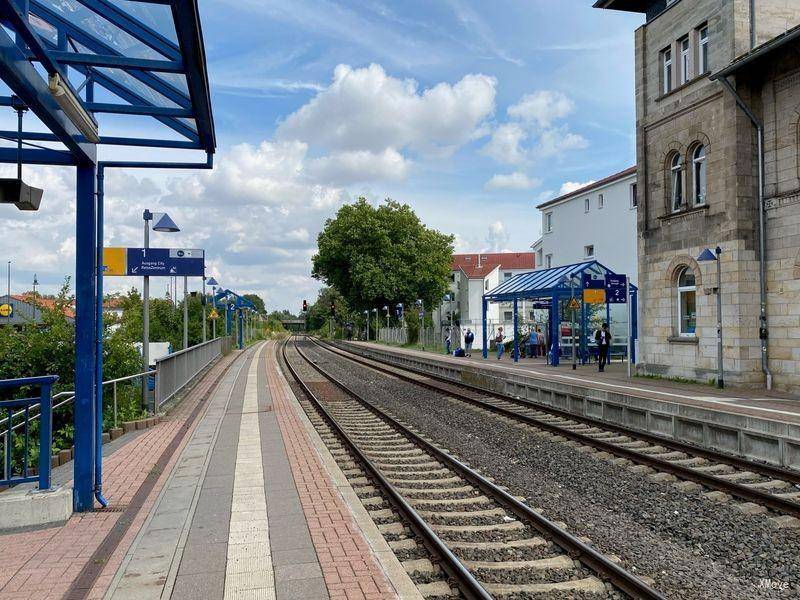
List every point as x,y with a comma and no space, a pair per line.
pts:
45,563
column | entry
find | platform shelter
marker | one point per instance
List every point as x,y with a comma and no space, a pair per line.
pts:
84,77
552,290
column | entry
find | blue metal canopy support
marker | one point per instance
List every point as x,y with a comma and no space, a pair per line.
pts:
555,331
85,340
516,330
485,304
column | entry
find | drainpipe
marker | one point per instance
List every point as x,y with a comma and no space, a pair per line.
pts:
753,37
762,246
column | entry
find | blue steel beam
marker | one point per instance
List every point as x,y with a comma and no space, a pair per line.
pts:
26,82
108,140
36,156
85,340
134,27
119,62
140,109
187,26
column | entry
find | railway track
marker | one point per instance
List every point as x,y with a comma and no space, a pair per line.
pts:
487,541
763,486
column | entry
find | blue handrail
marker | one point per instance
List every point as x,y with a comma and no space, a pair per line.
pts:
45,401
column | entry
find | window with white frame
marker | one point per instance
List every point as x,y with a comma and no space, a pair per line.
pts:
676,182
586,205
548,261
687,302
539,257
507,276
634,197
686,60
700,175
702,49
508,315
600,201
548,222
588,251
666,69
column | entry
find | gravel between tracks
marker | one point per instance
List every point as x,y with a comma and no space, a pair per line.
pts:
690,546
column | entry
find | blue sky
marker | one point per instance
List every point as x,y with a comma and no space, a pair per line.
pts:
472,112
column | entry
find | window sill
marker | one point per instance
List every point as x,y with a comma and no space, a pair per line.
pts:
683,86
684,212
681,339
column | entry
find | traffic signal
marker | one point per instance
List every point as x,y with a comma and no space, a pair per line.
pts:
333,308
305,306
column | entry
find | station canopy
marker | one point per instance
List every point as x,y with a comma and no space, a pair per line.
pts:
124,59
547,283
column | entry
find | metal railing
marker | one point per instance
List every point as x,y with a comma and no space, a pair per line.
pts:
44,401
177,369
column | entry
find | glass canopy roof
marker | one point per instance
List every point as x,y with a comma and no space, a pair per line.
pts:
146,56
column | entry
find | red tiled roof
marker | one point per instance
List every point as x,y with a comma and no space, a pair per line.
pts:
592,186
47,303
504,260
113,302
476,272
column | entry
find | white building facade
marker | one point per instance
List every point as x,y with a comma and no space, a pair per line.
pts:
595,222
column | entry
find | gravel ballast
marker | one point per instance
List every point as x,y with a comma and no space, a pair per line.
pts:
691,547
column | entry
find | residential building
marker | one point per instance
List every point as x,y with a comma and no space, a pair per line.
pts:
471,276
27,308
698,173
595,222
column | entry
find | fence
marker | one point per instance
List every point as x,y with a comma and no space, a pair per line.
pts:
44,402
175,370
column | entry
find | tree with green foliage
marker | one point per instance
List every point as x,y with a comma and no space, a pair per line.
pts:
376,256
320,312
258,302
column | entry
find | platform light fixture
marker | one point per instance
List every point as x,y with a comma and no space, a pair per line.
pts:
73,108
708,256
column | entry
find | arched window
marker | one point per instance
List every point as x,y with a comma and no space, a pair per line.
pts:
676,182
700,177
687,302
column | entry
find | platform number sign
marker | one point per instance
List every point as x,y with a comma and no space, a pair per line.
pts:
615,289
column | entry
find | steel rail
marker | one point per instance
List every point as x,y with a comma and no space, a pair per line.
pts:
771,501
470,586
600,564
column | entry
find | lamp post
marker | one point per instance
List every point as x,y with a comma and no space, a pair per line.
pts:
166,225
377,324
571,281
708,256
35,283
213,283
8,291
366,314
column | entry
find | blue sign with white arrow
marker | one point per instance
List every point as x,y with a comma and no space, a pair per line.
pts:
615,289
166,262
592,281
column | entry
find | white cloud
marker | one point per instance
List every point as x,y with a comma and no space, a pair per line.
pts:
359,166
505,146
542,108
570,186
512,181
556,141
367,109
497,237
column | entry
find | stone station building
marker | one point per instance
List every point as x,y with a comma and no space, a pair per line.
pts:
698,181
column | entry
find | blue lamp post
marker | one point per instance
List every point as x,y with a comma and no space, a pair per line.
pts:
213,283
708,256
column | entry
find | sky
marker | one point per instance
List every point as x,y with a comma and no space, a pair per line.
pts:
472,112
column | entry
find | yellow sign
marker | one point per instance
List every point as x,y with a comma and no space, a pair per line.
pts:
594,296
214,314
115,262
574,304
6,310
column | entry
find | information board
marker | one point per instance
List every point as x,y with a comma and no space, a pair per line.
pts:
615,289
154,262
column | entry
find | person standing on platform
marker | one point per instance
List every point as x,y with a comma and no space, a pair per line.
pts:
603,339
447,341
469,338
540,342
498,340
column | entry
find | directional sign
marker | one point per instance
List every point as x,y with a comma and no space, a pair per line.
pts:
592,281
615,289
115,262
574,304
166,262
594,296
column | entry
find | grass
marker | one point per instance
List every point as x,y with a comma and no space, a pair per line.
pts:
710,382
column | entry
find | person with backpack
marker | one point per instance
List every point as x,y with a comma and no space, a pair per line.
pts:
469,338
498,340
603,339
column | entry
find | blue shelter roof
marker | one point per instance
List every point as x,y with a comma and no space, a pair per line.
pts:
127,58
547,282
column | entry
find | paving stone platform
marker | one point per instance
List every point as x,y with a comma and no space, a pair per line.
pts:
246,503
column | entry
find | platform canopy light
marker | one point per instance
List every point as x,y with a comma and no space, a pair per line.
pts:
20,194
212,282
165,224
73,108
